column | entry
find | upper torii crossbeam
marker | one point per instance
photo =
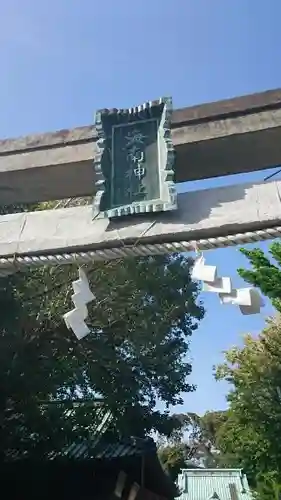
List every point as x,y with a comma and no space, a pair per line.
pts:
227,137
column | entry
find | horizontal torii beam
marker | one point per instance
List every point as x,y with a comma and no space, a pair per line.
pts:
214,139
217,216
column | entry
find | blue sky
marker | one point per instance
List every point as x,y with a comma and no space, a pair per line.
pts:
63,59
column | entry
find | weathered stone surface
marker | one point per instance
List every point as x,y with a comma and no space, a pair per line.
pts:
227,137
202,214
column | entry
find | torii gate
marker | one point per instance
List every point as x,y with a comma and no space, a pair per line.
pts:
232,136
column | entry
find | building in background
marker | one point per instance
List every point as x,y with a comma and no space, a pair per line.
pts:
98,465
213,484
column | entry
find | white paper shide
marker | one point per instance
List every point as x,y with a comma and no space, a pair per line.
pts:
75,319
248,299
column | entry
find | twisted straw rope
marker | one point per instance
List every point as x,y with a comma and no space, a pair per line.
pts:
9,265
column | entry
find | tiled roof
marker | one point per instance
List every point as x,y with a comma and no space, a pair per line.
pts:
211,484
82,449
125,448
97,426
101,446
102,449
98,446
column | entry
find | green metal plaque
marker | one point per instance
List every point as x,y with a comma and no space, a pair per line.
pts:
134,165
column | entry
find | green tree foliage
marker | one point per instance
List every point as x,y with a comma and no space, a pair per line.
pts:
212,455
210,424
194,443
249,436
143,315
265,273
268,487
174,458
179,449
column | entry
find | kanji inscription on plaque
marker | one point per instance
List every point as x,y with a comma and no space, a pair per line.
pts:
134,166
